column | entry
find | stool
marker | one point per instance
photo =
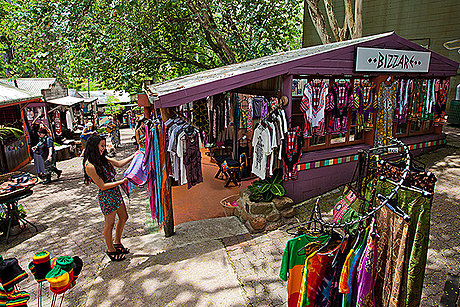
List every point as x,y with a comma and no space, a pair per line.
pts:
219,160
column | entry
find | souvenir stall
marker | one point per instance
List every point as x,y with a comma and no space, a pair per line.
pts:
341,98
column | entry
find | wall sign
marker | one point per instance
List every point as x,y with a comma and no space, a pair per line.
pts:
57,122
391,60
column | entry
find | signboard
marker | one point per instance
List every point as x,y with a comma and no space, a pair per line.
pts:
57,122
391,60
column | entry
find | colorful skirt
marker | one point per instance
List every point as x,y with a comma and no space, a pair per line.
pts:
110,200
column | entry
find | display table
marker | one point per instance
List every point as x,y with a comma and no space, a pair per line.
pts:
11,205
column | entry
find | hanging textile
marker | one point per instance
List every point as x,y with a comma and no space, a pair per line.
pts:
365,102
386,106
291,153
261,142
192,159
418,99
428,106
403,101
292,264
338,102
200,116
313,105
441,91
166,197
246,111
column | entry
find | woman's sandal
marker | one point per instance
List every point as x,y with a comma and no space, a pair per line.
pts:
121,248
116,255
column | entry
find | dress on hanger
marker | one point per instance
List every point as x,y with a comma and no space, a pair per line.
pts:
386,107
339,100
365,102
313,105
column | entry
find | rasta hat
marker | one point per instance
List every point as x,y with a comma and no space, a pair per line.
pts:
40,265
11,273
61,276
16,298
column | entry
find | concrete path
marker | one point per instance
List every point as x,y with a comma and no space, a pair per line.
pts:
213,262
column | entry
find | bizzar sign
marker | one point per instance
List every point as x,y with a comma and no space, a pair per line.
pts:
391,60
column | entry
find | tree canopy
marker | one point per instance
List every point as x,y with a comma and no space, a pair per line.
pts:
120,43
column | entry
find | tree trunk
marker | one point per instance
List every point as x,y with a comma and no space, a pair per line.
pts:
318,20
336,30
349,15
358,19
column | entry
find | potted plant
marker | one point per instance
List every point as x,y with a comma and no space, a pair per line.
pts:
267,189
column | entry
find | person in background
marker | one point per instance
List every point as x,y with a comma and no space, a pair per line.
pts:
86,133
113,127
140,135
46,147
100,169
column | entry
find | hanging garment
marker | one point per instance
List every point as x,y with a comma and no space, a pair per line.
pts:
166,197
338,102
418,99
365,102
441,91
313,105
69,119
200,116
292,264
265,108
246,111
291,153
192,160
367,270
428,106
386,106
257,106
402,101
418,207
261,142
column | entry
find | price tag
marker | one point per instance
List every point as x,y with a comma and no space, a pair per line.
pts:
393,150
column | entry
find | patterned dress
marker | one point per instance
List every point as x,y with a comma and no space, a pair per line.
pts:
403,99
442,88
386,105
364,101
313,105
340,99
110,200
417,99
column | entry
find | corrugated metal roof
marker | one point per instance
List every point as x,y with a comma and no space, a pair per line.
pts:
32,85
66,101
11,94
208,76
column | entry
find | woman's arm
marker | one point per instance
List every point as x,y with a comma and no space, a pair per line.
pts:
121,163
91,171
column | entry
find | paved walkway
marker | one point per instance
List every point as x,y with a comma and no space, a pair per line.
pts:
207,263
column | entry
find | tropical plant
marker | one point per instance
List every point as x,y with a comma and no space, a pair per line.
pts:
9,132
267,189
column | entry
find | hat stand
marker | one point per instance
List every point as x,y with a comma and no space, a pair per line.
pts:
40,287
53,299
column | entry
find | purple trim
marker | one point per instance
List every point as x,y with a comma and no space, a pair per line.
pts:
287,91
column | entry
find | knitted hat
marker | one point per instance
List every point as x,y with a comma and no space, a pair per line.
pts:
11,273
59,280
17,298
3,297
65,262
77,266
40,265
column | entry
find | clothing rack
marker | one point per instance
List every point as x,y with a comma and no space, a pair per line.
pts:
385,200
184,119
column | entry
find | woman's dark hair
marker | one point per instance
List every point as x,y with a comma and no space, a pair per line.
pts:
138,125
93,156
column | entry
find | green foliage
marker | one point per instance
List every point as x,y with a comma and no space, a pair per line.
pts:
10,132
267,189
113,108
122,43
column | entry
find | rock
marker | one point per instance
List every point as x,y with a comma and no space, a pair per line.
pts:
282,203
258,223
273,226
274,216
260,208
250,229
244,216
288,213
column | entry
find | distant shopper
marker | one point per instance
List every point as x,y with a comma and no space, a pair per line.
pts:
46,149
86,133
101,170
113,127
140,135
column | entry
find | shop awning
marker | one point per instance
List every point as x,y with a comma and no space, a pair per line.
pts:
66,101
10,94
330,59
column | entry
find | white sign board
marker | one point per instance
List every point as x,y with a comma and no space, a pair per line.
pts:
391,60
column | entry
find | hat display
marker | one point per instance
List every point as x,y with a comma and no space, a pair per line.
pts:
40,265
3,297
77,266
11,273
59,280
17,298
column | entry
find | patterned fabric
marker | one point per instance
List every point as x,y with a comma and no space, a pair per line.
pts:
403,100
417,99
110,200
310,251
313,105
441,91
292,151
428,106
386,106
265,109
166,197
390,284
200,115
292,264
367,269
338,102
192,160
418,207
365,102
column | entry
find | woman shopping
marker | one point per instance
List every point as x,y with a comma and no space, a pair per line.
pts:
100,169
